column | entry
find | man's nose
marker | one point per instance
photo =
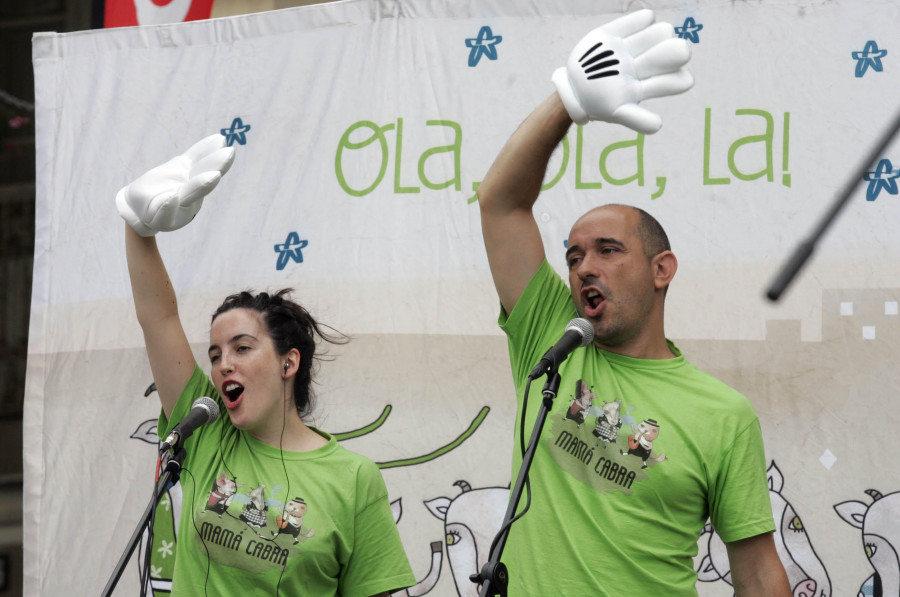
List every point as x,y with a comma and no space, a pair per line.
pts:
586,268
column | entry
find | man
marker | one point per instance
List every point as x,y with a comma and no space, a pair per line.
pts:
623,518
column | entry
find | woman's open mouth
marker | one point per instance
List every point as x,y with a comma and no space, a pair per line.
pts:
233,392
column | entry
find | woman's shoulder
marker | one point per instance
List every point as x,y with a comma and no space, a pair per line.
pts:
340,454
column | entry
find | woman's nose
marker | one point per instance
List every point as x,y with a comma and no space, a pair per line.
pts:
225,366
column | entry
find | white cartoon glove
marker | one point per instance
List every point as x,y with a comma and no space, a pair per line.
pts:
617,65
169,196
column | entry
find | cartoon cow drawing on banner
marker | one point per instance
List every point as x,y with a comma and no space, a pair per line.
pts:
805,570
880,525
471,520
434,571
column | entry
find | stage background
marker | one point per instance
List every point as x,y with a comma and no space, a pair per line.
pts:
362,129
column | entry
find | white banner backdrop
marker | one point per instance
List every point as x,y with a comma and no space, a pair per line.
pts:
362,128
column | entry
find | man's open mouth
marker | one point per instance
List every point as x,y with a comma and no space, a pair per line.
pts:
593,298
592,301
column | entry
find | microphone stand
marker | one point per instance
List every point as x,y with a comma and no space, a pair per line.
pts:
170,476
494,575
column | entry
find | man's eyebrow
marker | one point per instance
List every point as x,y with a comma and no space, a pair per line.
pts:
609,241
232,341
597,241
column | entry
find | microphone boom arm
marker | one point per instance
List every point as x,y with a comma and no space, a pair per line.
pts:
792,267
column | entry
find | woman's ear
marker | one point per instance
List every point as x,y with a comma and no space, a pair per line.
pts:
290,363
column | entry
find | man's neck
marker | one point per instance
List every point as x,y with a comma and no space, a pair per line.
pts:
657,349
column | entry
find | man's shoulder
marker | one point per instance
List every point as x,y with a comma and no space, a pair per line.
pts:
545,295
710,384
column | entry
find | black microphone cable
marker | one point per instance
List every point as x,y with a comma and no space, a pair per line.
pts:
286,476
523,449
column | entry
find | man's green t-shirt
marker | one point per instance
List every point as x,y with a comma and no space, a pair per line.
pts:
634,457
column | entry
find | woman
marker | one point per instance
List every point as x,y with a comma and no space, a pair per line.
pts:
271,505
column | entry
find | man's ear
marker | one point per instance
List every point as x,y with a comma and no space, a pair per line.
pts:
664,267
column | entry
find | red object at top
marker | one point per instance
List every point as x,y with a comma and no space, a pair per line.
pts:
126,13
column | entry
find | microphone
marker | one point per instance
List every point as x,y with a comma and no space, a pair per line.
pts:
204,410
579,332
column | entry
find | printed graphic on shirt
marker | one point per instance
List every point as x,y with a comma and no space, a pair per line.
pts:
292,522
248,530
595,443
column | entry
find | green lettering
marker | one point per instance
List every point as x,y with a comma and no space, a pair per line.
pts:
562,167
660,187
706,140
579,144
454,147
786,142
638,144
345,143
766,138
398,159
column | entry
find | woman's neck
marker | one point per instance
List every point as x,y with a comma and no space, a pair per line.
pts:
293,436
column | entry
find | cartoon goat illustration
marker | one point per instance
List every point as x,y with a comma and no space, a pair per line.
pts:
434,571
880,526
805,571
471,520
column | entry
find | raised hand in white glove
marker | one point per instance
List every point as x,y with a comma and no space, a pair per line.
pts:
169,196
617,65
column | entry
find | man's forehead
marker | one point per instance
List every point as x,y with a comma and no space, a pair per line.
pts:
608,221
608,213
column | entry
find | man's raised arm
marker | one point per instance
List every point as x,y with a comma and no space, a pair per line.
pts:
608,73
507,195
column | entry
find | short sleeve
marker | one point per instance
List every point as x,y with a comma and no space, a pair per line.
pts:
198,385
537,320
378,563
739,498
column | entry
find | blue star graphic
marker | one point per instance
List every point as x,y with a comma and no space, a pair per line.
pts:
870,57
883,178
483,45
237,132
291,250
689,30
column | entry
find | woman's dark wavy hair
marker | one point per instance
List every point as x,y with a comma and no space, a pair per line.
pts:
290,326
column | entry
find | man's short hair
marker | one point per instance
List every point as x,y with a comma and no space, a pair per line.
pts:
653,238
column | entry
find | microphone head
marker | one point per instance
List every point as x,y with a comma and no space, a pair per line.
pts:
584,328
209,405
